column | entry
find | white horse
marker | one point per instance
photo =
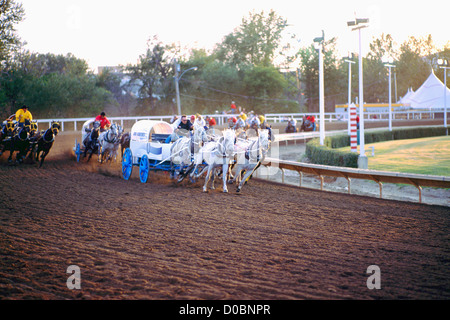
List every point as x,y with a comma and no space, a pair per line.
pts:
181,154
109,142
250,153
217,154
200,139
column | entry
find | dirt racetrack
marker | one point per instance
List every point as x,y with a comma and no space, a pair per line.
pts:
165,241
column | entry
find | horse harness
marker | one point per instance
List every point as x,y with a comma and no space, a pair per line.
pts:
249,148
45,133
107,139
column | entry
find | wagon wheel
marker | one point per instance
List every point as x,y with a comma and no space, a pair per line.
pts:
78,152
143,169
127,164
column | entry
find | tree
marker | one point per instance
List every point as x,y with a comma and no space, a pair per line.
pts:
11,13
414,63
152,74
382,48
52,85
254,42
265,87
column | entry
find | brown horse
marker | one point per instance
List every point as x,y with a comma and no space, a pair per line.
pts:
124,142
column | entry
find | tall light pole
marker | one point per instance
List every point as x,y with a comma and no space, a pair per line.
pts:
443,65
177,81
319,47
358,24
350,62
390,65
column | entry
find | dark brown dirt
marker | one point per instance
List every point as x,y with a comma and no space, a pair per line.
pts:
165,241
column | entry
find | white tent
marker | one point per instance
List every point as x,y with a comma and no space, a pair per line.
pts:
430,95
406,98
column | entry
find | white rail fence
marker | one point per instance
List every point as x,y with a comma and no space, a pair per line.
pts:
76,123
368,116
380,177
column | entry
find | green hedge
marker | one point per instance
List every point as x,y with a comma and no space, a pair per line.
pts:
327,156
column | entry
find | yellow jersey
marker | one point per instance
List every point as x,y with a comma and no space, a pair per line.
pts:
21,115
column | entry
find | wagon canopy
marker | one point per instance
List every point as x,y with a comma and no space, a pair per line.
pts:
143,129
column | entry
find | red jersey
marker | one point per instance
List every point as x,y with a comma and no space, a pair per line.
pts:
103,122
212,122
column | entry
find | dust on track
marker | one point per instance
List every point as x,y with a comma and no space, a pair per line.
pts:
161,240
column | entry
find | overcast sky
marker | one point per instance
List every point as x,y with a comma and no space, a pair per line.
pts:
113,32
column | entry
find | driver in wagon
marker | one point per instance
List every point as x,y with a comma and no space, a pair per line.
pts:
104,121
182,127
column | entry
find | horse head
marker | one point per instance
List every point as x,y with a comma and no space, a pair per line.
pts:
114,130
229,138
10,126
95,132
23,134
33,127
55,127
119,131
264,139
96,125
200,134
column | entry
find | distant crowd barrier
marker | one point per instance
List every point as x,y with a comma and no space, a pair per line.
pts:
368,116
75,124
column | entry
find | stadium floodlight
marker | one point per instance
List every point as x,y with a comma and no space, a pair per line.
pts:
319,46
358,24
390,65
177,81
443,65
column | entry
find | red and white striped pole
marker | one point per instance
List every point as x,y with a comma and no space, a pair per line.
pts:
353,131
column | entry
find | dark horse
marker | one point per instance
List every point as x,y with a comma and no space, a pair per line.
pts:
45,140
6,133
124,142
20,141
91,142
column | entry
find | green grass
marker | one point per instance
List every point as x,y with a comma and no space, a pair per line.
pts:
423,156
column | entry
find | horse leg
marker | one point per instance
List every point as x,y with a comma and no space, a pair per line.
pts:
192,174
43,155
90,155
257,166
244,179
31,153
208,176
11,151
213,176
36,155
225,176
237,175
